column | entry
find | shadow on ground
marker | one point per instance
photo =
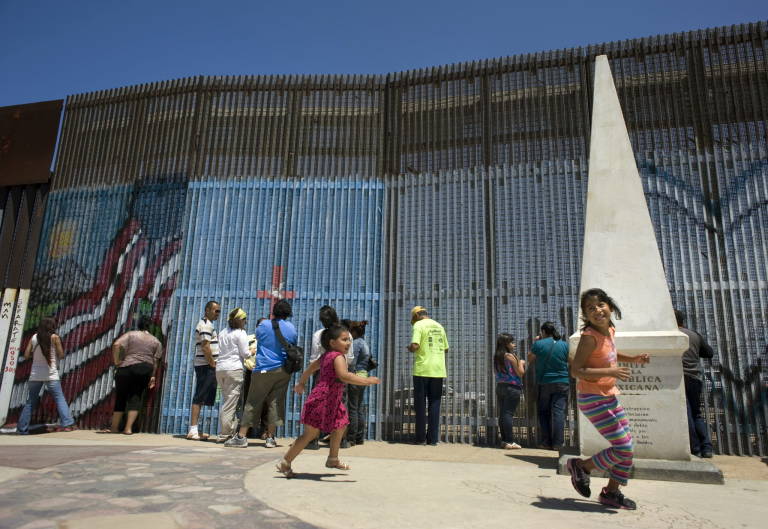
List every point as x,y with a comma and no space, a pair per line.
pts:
318,477
571,504
540,461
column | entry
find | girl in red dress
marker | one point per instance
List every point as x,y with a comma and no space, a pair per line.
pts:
324,409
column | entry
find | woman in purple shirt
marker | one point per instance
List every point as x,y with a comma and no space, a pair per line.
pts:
509,370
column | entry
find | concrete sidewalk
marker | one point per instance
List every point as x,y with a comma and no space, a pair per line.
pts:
84,479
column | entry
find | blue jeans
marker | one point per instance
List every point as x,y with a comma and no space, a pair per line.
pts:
508,398
358,418
553,405
698,430
427,392
54,388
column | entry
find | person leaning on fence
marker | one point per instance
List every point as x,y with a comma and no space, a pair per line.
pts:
206,352
46,349
269,380
233,350
698,430
509,370
429,344
549,355
137,355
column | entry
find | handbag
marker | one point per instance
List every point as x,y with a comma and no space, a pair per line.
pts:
372,364
294,354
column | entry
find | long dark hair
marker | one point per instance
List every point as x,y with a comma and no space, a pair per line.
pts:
601,295
44,331
499,358
328,316
550,330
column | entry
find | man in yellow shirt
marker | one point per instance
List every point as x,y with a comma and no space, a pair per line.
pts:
429,345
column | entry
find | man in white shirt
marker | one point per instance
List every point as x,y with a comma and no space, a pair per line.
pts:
206,353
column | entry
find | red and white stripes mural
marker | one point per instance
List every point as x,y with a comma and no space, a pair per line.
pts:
135,277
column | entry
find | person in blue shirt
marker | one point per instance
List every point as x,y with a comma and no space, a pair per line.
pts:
269,380
549,355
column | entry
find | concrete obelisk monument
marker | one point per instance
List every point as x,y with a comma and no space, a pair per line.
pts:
621,257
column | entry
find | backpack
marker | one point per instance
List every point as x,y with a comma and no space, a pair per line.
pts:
294,354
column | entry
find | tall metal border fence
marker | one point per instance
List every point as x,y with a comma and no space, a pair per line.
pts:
460,188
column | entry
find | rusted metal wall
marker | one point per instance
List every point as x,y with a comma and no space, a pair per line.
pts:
473,177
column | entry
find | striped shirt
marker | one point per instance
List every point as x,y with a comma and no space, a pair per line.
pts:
205,332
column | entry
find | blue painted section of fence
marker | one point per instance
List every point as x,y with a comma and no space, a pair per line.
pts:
325,234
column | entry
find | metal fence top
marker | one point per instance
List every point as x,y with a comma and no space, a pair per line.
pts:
723,35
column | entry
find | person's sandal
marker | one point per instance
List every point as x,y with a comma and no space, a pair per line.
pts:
334,462
284,467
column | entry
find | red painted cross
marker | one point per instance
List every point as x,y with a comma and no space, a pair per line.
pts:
277,292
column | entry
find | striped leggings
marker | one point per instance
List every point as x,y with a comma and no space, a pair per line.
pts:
607,415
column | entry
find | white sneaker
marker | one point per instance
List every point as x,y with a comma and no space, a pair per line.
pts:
270,442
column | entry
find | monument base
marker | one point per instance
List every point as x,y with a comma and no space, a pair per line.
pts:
694,471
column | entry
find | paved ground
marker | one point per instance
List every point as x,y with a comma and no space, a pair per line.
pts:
88,480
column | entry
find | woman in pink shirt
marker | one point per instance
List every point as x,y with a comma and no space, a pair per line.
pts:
136,355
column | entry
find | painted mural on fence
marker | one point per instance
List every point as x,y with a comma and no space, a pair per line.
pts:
107,256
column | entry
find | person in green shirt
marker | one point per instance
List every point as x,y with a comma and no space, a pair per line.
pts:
429,345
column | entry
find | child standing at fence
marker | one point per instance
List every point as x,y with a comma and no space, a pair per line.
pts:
596,368
324,409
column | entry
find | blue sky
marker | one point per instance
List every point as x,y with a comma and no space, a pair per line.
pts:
51,49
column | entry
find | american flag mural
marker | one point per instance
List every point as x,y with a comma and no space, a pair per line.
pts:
94,302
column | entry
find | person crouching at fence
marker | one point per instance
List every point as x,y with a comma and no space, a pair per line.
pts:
137,355
233,351
596,367
324,409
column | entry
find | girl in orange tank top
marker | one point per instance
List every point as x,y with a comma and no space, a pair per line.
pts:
603,356
596,367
